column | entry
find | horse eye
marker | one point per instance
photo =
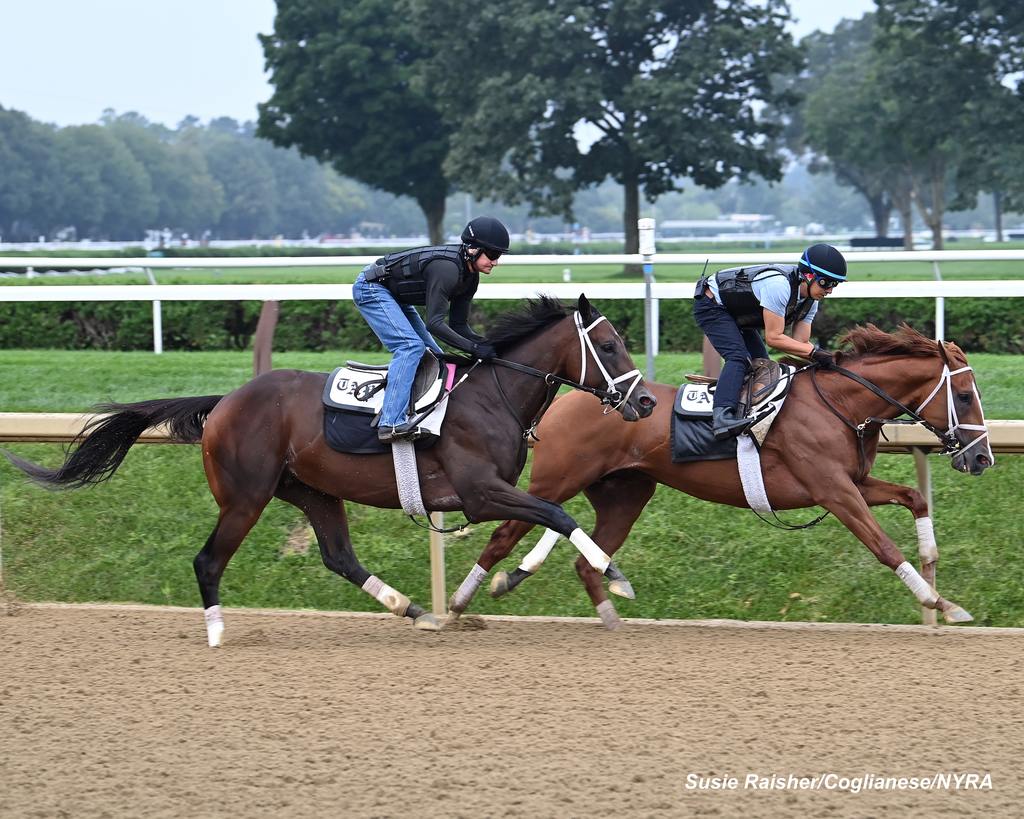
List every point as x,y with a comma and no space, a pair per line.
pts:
964,397
608,347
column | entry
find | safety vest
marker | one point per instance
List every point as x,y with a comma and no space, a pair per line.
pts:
403,273
735,289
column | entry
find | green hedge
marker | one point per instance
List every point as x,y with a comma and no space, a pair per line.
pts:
993,326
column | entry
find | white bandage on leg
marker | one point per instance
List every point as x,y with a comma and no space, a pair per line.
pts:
214,626
394,601
468,588
539,553
927,548
590,550
917,584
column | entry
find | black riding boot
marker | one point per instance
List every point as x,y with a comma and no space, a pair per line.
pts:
725,424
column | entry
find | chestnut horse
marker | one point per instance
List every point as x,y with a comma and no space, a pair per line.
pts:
804,460
266,439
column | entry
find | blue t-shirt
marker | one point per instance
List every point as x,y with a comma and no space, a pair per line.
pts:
771,289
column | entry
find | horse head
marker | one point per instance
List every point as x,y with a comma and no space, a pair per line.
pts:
605,363
954,405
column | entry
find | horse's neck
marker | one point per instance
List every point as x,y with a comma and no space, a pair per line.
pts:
541,353
907,384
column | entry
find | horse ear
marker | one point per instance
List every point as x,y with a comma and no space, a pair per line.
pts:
586,308
943,353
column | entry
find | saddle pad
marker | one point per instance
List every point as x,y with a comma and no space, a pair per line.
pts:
691,433
351,432
360,391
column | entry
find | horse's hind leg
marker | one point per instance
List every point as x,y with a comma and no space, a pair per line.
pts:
618,501
326,513
234,523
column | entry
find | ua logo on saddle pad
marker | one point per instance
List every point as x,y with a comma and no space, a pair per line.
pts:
354,394
691,415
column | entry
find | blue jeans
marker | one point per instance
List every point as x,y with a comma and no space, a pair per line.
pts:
402,331
736,346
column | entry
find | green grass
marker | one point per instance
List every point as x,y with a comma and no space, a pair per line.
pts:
133,539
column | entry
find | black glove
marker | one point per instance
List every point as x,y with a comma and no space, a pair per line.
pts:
823,358
484,350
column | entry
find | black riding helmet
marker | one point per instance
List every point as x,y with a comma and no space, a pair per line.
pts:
824,264
488,233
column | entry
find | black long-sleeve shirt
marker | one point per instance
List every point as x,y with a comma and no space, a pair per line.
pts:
449,297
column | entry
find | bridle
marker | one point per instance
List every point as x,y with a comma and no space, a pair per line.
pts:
947,437
611,397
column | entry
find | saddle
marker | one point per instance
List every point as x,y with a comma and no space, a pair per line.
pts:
761,397
354,394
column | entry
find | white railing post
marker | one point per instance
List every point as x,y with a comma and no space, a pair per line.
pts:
646,230
940,308
158,321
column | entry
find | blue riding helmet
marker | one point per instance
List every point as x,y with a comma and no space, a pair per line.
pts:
823,264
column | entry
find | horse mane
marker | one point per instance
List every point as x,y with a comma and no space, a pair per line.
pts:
906,341
537,314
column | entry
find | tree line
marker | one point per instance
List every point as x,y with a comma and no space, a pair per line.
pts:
388,111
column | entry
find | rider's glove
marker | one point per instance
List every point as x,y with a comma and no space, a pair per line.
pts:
823,358
484,350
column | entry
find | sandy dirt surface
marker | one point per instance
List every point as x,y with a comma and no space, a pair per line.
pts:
127,713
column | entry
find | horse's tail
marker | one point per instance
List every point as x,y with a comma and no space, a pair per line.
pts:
97,451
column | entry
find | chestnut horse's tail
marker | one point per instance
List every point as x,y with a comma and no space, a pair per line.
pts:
99,448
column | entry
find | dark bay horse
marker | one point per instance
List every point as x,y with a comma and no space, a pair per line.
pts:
266,439
819,451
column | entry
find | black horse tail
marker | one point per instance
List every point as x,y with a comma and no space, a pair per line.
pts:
97,451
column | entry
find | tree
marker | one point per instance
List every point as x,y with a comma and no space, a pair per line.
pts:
344,95
549,98
30,188
107,192
933,82
843,124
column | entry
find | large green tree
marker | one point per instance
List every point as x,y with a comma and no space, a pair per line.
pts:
344,93
30,180
548,98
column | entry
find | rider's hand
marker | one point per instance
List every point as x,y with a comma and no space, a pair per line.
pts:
823,358
484,350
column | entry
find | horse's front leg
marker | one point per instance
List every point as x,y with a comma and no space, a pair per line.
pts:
502,542
850,507
879,493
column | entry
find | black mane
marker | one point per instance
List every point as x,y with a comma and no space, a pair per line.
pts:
511,328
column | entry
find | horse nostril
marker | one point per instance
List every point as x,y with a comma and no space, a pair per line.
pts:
983,460
647,401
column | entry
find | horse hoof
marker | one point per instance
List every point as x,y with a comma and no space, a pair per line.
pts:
609,617
427,622
955,614
623,588
453,618
499,584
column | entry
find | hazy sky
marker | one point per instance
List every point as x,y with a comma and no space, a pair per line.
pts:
65,61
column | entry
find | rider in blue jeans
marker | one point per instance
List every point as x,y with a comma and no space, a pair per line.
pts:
444,279
734,305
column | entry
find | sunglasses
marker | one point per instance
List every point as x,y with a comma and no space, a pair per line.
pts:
824,283
493,255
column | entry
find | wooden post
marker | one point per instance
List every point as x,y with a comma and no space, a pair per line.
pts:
438,592
924,484
263,341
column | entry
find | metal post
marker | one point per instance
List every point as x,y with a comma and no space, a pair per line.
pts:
940,308
646,229
158,323
924,485
438,593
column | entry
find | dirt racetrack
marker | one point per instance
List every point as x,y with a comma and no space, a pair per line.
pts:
127,713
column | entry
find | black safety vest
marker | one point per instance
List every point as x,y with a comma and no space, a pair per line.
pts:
735,289
403,273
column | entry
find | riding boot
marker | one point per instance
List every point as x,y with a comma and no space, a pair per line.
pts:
406,431
725,424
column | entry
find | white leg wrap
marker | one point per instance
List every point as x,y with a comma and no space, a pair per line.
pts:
214,626
917,584
927,548
394,601
468,588
539,553
590,550
606,611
